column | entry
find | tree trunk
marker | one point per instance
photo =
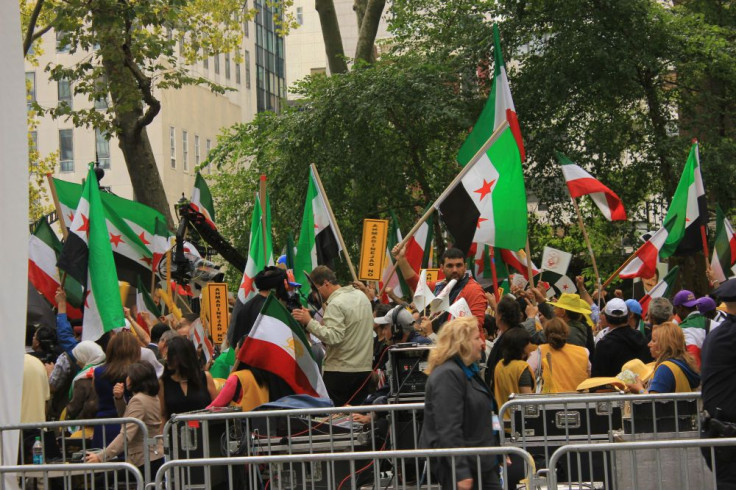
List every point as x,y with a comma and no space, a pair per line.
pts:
659,128
368,30
359,9
331,36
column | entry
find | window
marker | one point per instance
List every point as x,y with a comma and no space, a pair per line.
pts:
62,43
317,71
247,69
66,150
217,63
300,16
196,150
227,66
237,73
172,146
101,89
102,148
33,148
206,62
64,91
185,149
207,148
30,88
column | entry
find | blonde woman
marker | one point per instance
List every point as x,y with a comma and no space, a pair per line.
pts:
458,407
675,369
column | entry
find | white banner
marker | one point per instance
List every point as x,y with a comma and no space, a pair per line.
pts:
555,260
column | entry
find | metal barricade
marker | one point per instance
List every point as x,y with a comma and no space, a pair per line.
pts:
70,474
673,465
338,471
206,434
60,447
540,424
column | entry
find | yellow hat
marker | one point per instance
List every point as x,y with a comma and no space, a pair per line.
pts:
572,302
641,370
636,366
602,384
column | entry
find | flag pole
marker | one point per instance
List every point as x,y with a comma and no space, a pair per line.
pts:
492,254
262,198
705,246
492,139
337,228
57,205
529,270
587,242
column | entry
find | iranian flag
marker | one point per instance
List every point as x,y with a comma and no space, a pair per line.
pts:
581,183
318,243
145,304
396,282
201,200
518,260
499,109
419,246
87,257
277,344
663,289
724,248
43,251
257,259
644,264
488,204
687,217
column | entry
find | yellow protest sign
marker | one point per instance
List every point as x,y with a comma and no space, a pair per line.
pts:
433,275
373,249
218,310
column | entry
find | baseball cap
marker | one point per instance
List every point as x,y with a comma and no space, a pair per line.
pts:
705,304
684,298
403,317
633,306
726,291
616,308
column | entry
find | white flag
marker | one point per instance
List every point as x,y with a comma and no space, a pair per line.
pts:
555,260
459,309
423,296
442,301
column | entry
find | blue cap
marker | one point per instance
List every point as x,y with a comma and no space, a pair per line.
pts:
633,306
281,260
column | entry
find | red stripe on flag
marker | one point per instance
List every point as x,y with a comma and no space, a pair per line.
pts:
647,255
516,131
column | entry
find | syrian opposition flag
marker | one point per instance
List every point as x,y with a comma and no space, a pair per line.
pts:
724,248
581,183
482,265
144,302
499,108
43,251
318,243
133,259
663,289
201,200
257,259
518,260
87,257
687,217
488,205
645,262
559,283
277,344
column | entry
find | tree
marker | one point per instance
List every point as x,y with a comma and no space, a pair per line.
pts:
132,54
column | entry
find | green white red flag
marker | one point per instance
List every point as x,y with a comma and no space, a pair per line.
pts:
144,302
663,289
277,344
581,183
257,259
499,108
87,257
724,248
202,202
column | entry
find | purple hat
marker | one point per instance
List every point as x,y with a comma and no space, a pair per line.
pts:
685,298
705,304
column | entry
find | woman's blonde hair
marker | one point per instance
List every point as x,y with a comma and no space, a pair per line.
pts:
454,339
671,344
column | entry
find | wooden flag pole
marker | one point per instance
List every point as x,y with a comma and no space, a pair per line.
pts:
492,139
494,276
621,267
334,221
262,198
587,242
57,205
529,270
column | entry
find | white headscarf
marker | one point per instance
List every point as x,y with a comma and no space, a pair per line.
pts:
89,354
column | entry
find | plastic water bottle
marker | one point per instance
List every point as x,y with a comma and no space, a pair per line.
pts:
37,451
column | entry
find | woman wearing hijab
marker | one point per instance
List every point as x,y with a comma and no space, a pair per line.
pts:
82,394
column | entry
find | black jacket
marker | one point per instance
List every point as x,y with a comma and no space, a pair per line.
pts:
457,413
618,347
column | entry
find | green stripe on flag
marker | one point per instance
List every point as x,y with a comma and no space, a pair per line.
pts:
273,308
509,195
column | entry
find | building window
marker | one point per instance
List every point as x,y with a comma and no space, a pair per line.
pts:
64,91
30,88
33,149
206,62
300,16
245,23
102,147
196,150
101,89
247,69
62,43
207,148
318,71
66,150
172,146
227,66
185,149
269,60
237,73
217,63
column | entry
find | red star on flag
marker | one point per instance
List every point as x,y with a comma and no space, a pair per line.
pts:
486,188
71,217
147,260
85,225
86,297
565,287
142,236
481,220
116,239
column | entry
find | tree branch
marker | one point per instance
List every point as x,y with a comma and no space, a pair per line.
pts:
368,30
331,36
143,82
30,35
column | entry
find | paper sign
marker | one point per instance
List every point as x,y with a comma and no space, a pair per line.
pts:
218,310
433,275
373,249
555,260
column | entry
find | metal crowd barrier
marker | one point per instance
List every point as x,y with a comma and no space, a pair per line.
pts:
338,471
72,473
541,424
651,464
61,448
199,435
